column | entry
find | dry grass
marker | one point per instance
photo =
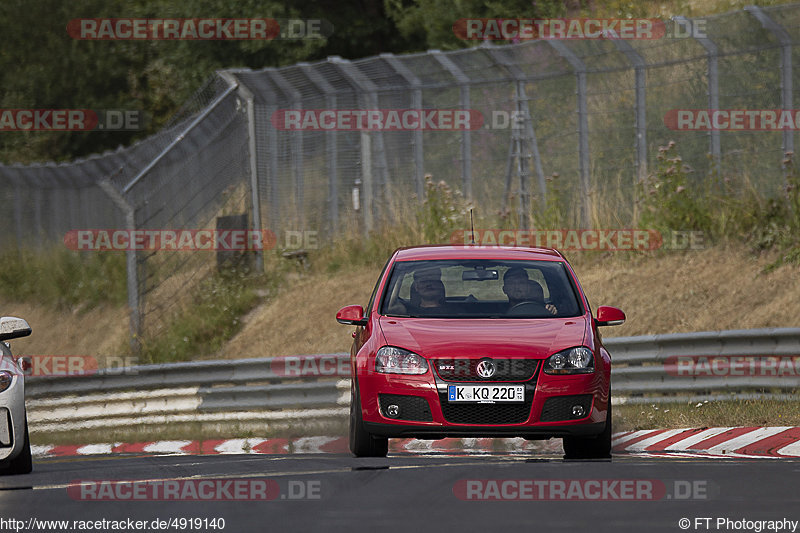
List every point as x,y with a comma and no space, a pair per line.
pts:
667,8
332,426
756,413
301,318
99,332
714,289
719,288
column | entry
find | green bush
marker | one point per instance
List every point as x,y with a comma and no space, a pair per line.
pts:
442,212
728,207
553,216
212,318
63,278
668,201
779,224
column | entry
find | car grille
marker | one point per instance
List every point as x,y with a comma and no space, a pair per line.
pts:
462,370
487,413
411,407
560,407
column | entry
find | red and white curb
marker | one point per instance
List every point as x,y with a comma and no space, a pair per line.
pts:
297,445
723,442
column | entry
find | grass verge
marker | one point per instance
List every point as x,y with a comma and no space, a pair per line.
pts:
707,414
212,317
62,278
194,431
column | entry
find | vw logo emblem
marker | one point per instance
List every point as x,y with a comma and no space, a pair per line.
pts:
485,368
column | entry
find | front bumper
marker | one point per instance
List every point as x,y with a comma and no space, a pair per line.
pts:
417,431
12,410
534,421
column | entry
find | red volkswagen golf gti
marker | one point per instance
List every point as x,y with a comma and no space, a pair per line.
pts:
468,341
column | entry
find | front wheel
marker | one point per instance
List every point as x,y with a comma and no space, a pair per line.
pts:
598,447
22,463
363,443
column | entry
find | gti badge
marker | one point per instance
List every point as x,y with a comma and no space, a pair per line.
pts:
485,368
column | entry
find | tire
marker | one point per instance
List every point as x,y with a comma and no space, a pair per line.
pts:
598,447
22,463
363,443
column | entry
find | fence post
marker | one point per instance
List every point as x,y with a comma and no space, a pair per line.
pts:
255,197
785,41
38,201
640,106
255,200
295,102
464,103
524,114
367,182
416,103
583,125
134,302
509,172
330,144
713,84
365,86
18,214
57,208
274,216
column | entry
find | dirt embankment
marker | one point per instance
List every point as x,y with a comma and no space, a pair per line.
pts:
98,332
714,289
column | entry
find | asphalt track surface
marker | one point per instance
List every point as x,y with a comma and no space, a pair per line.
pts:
417,492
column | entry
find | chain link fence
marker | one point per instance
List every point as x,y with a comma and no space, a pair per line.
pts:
591,111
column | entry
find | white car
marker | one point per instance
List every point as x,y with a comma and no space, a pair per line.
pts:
15,447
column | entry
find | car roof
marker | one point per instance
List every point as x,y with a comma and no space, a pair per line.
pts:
462,251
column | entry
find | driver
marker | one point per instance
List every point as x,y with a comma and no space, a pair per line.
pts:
520,289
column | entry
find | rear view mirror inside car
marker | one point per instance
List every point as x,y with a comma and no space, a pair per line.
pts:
479,274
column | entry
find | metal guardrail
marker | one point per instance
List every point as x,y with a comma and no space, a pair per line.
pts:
713,366
210,373
268,391
315,389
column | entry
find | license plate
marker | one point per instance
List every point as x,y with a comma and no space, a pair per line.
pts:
486,393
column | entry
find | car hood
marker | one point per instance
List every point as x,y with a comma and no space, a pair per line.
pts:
444,337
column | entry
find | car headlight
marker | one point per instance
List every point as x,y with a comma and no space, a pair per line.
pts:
5,379
578,360
393,360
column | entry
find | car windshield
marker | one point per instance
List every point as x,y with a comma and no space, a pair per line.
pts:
480,289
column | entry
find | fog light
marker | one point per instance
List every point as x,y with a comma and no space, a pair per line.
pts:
393,411
578,411
6,378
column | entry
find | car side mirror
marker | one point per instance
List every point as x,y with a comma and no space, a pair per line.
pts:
609,316
13,328
352,315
